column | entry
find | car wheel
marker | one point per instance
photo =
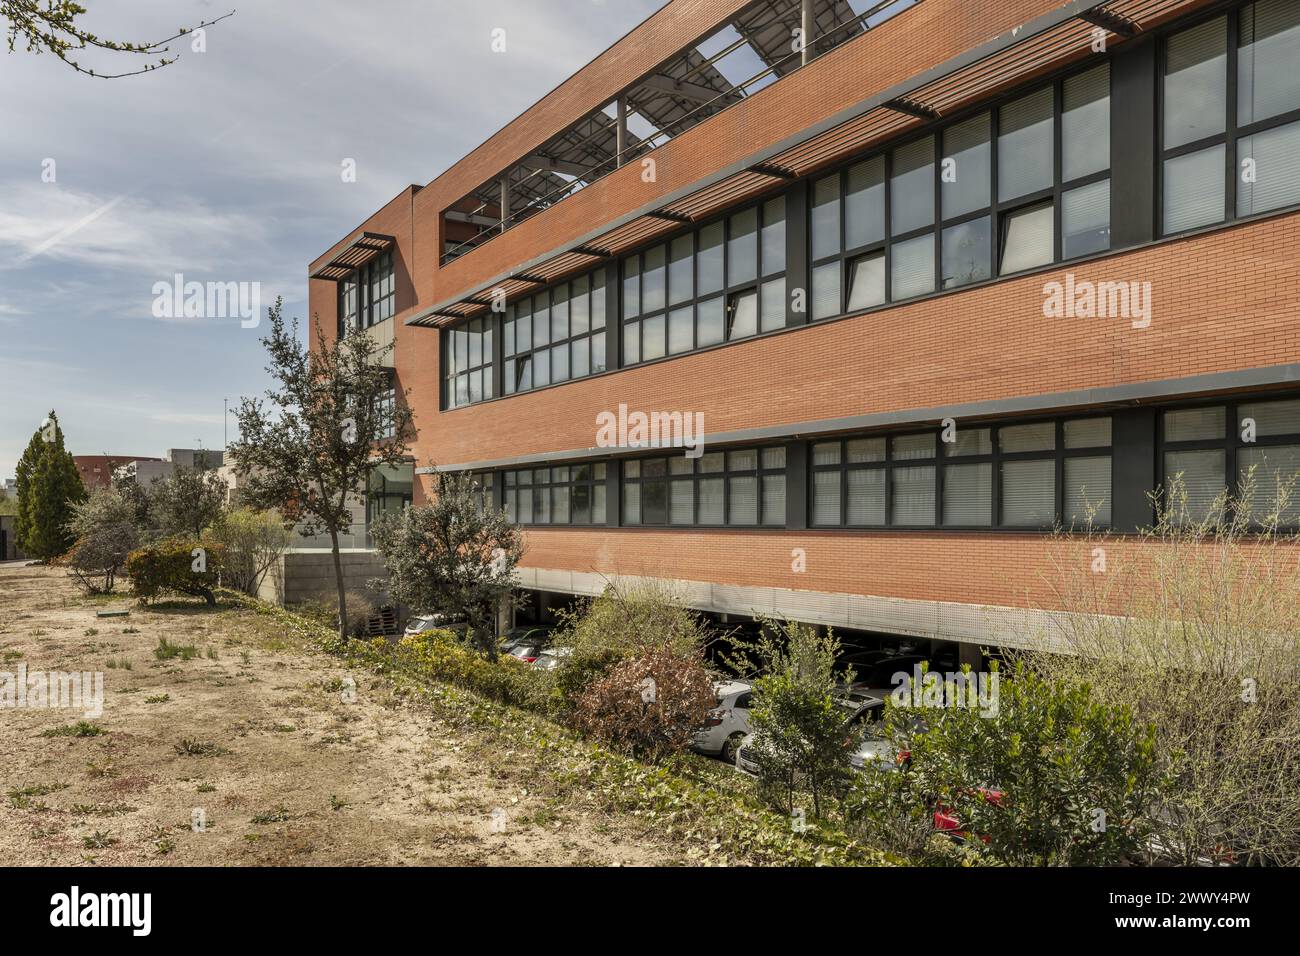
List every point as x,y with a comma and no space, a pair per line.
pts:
729,748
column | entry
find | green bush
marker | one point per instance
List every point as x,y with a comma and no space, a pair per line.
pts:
439,655
183,565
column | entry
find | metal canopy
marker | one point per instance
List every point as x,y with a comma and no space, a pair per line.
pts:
356,254
1032,49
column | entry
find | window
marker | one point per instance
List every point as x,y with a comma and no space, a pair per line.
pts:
1026,150
562,494
347,305
367,296
467,363
731,488
389,488
555,335
1249,451
1231,106
982,476
386,405
724,282
1027,238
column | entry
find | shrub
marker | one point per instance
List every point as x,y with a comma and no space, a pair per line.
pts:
648,706
1050,776
183,565
800,743
105,529
623,624
439,655
253,542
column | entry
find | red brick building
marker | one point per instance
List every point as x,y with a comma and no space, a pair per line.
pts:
97,470
938,275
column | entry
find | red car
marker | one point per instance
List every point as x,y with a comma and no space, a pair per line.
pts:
948,824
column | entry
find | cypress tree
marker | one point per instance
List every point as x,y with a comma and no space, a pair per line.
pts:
48,487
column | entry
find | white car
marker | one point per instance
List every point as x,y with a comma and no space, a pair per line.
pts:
550,658
728,722
863,721
434,622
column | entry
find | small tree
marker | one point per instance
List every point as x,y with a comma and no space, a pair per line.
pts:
48,488
187,501
800,740
327,425
253,541
105,529
452,556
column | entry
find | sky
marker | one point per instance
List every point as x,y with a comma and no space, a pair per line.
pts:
226,167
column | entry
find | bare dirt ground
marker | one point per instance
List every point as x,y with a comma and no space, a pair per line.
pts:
255,735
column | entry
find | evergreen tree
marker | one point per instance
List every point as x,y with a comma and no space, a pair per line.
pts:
48,487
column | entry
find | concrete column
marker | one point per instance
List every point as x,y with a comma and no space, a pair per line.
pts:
621,129
807,24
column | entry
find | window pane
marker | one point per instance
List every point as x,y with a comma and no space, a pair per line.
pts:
582,504
774,458
966,169
1087,491
681,270
967,253
1267,81
743,460
826,291
560,313
1271,418
1025,147
631,287
912,186
560,363
774,236
744,500
864,205
1087,433
631,503
709,259
599,508
681,330
654,502
1201,476
541,324
970,441
772,306
1085,220
865,449
826,497
1276,473
682,508
826,217
560,505
774,499
1085,124
742,247
1273,160
1040,436
1195,424
598,352
913,269
711,495
541,368
911,447
968,494
579,357
653,279
580,306
866,496
1196,83
712,327
913,500
524,373
1194,190
1027,240
598,300
867,282
826,453
743,315
653,342
1029,493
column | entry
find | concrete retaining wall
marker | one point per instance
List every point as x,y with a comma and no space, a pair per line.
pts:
308,575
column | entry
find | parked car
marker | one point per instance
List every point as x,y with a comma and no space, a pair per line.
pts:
436,622
862,720
550,658
533,635
878,678
728,722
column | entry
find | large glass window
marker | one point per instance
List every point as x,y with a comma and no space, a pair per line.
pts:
555,335
368,295
1013,476
724,282
562,494
736,488
1231,107
467,363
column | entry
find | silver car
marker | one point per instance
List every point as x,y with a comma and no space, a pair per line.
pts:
728,722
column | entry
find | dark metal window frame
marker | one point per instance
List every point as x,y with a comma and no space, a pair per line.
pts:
998,211
1232,132
487,359
760,472
361,280
940,460
510,362
726,293
596,478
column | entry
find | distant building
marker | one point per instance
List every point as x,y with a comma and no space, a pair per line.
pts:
146,471
11,488
9,539
97,470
